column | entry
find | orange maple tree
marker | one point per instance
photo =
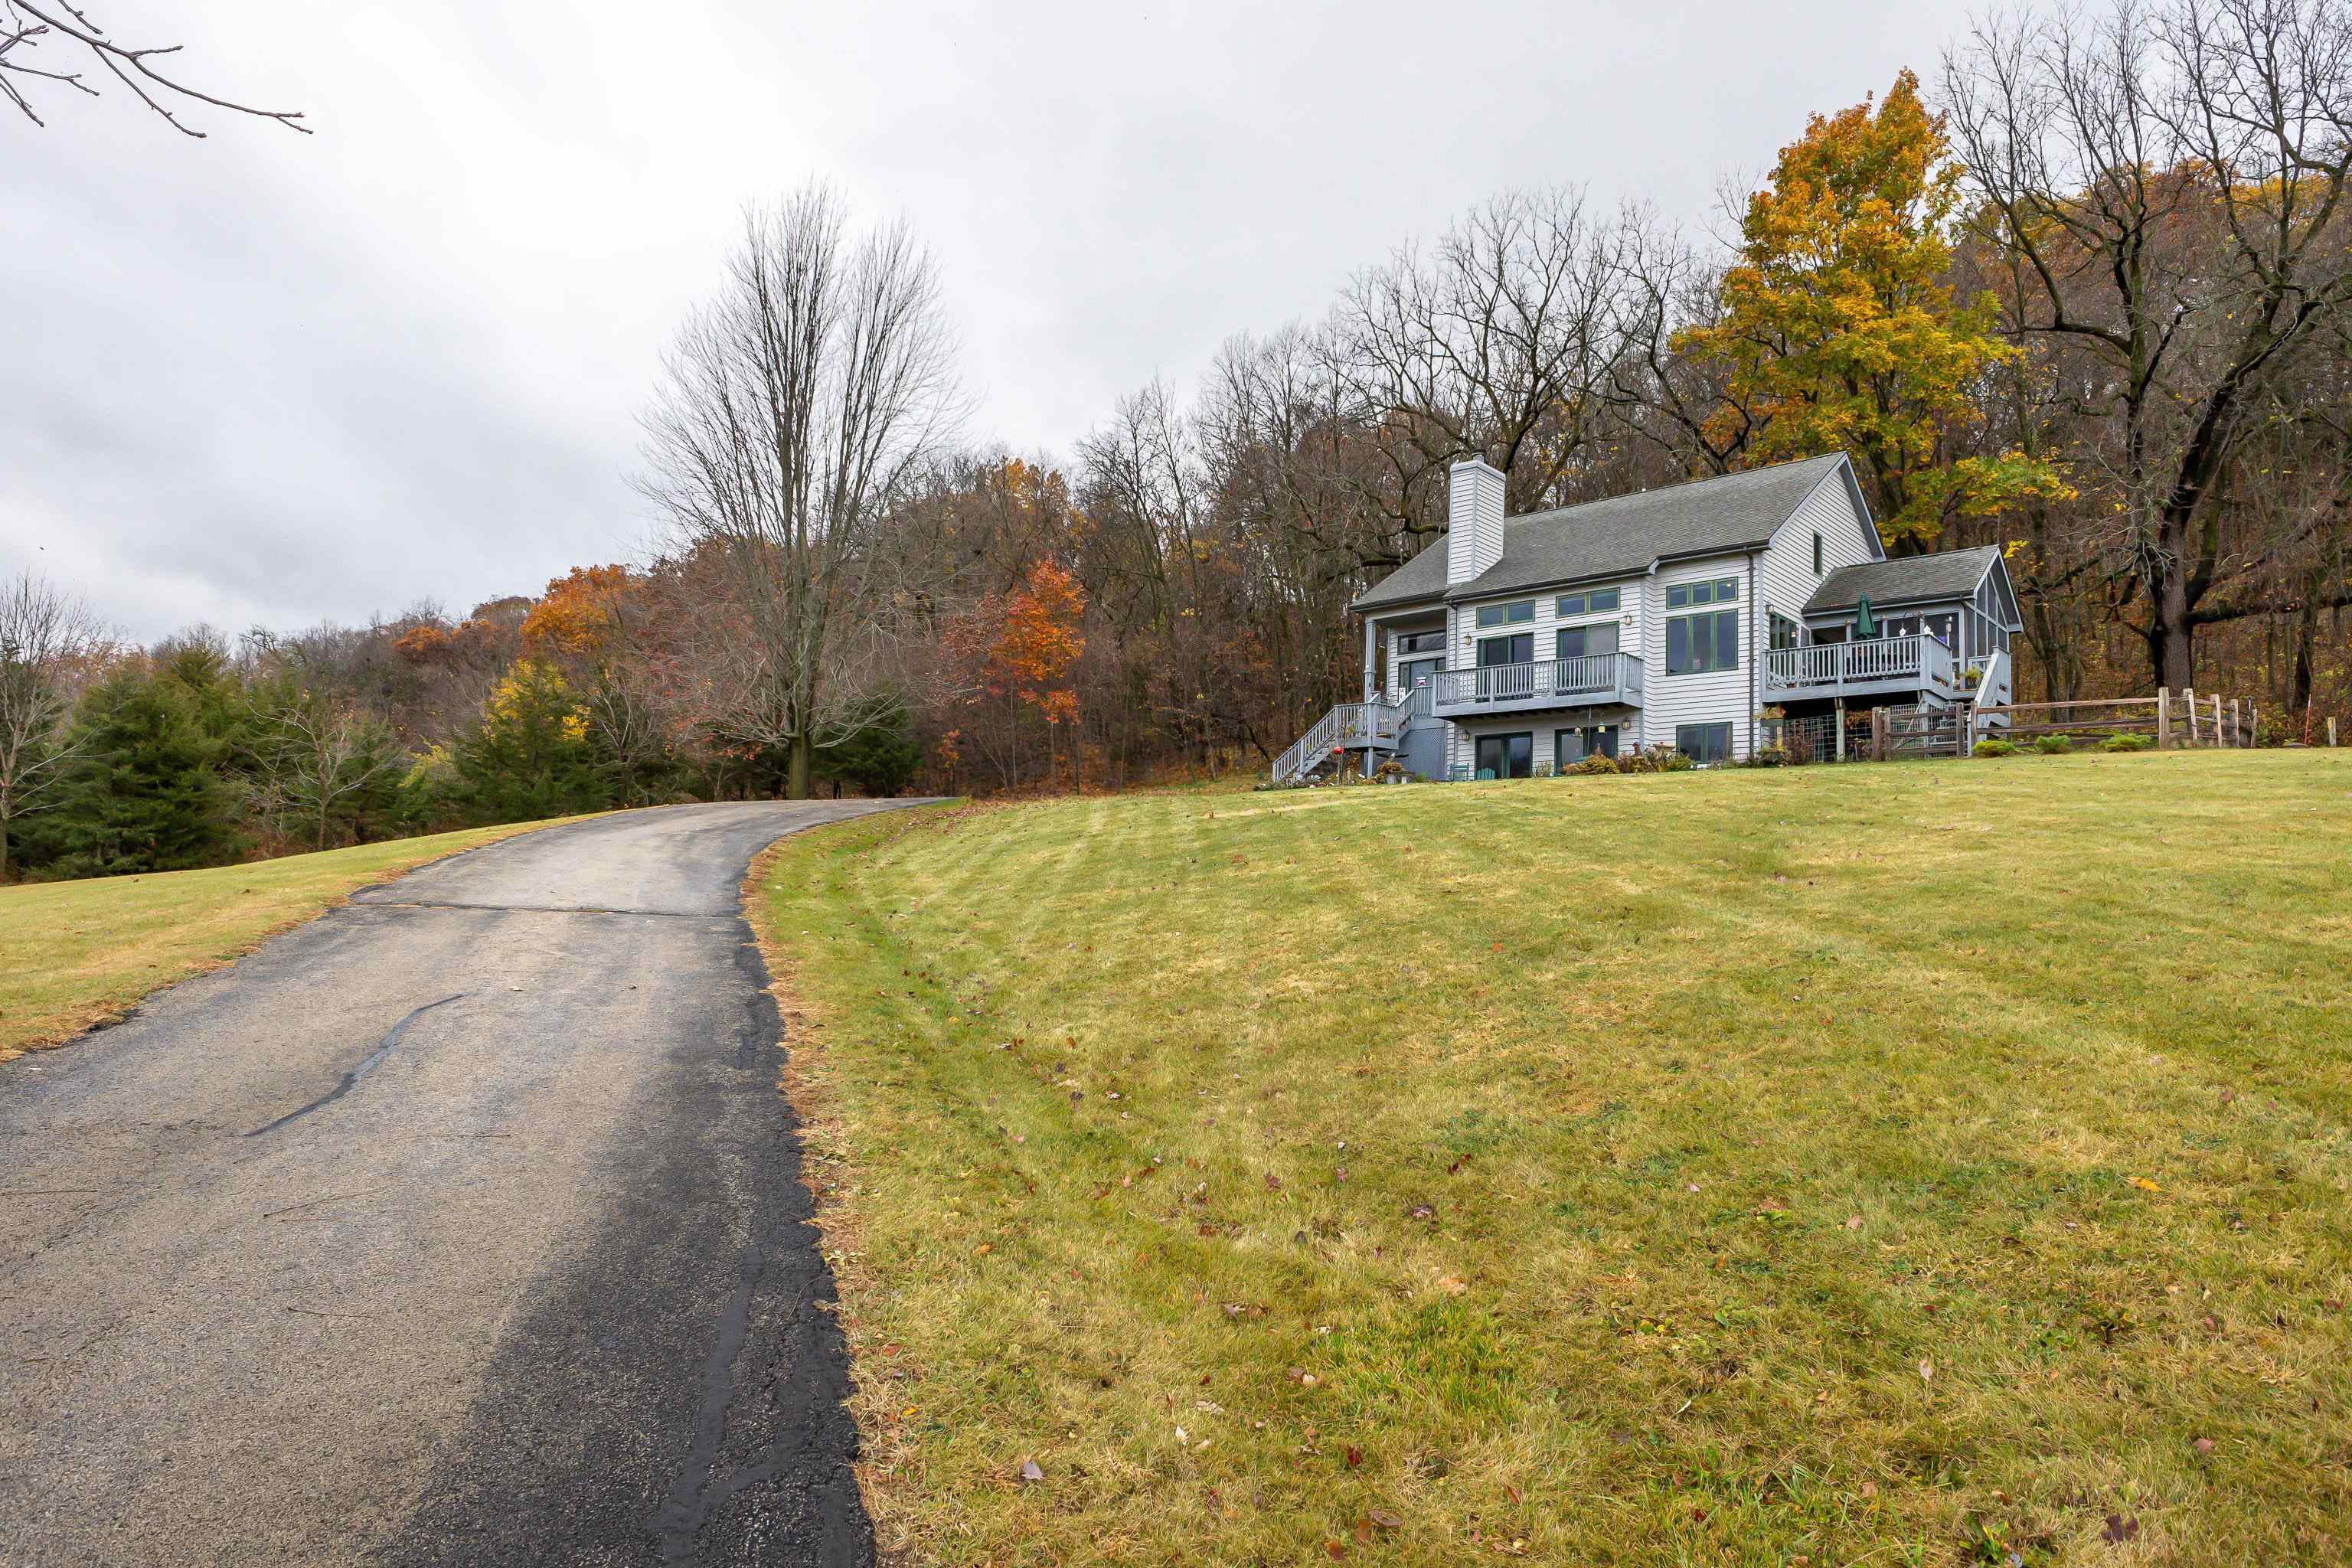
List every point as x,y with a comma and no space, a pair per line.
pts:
578,613
1022,646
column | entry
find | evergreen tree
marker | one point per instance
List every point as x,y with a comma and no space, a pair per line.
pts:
144,792
880,759
532,754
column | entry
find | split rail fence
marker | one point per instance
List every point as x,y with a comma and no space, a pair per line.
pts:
2169,719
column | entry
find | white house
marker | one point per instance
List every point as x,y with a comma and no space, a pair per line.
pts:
1673,616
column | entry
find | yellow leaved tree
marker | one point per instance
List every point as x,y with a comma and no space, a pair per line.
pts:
1839,329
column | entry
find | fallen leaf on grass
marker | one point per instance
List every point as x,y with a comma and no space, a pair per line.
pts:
1355,1457
1452,1285
1030,1473
1854,1221
1927,1371
2119,1530
2144,1184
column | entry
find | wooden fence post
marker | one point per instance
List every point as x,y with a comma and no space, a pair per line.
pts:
1878,734
2216,721
2189,700
2331,731
2164,718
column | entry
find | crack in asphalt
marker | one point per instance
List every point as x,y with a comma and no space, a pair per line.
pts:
351,1079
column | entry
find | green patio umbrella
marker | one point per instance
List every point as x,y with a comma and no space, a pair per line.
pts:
1864,625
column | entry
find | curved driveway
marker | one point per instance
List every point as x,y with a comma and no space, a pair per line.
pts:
462,1225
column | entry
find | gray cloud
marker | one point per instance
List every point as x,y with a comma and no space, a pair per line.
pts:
273,378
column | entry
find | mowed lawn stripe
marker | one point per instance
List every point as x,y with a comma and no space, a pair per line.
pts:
1878,1160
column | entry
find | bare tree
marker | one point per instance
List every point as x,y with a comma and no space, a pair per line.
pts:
27,29
2174,179
319,755
795,404
45,636
1494,344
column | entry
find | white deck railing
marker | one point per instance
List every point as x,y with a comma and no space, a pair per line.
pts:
1590,678
1347,726
1824,669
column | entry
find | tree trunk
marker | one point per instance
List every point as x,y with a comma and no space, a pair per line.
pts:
2307,636
4,850
802,752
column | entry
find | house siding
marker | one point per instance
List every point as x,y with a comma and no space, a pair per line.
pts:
1720,696
1462,652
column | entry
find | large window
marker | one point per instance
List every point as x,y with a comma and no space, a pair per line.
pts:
1569,747
1722,591
1817,555
1704,743
1421,642
1575,642
1518,649
1507,615
1698,644
1599,601
1785,633
1506,756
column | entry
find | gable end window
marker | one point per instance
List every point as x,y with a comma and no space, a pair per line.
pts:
1817,555
1696,644
1722,591
1507,615
1600,601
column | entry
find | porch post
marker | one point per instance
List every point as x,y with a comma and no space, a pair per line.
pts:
1371,655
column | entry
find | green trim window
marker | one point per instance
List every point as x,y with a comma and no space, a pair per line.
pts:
1507,615
1704,744
1569,747
1599,601
1698,645
1785,632
1518,648
1722,591
1575,642
1505,756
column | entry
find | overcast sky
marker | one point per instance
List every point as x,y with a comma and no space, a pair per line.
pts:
265,378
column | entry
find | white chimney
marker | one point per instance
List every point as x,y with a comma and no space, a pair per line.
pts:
1473,520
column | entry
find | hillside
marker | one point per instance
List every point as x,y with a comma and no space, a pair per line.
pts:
1916,1163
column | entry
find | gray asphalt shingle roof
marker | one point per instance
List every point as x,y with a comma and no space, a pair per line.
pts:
1622,536
1951,575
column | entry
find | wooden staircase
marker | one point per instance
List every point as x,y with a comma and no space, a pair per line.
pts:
1368,727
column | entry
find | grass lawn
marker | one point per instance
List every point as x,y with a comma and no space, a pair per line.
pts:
77,953
1916,1163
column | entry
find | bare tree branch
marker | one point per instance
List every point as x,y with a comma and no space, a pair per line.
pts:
26,27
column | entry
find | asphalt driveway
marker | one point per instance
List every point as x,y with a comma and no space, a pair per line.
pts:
461,1224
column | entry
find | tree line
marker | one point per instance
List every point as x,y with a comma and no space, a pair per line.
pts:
2081,294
